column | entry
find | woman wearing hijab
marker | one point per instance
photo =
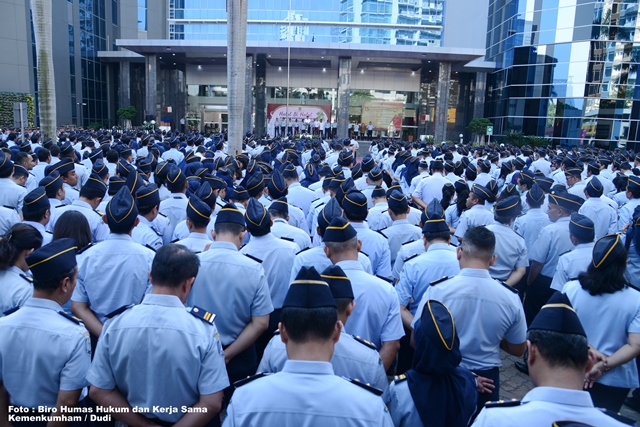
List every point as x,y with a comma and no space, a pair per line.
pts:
609,310
436,391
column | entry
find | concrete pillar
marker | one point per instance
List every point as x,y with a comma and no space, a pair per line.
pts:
442,103
248,85
344,93
479,95
151,87
261,94
124,91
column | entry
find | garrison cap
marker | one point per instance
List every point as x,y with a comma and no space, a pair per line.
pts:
509,207
606,250
175,176
206,194
308,290
229,213
289,171
545,183
215,182
355,202
276,185
63,166
255,183
257,217
482,192
96,183
535,193
239,193
116,183
19,170
197,210
134,181
557,315
594,187
5,163
375,174
147,196
339,230
330,211
398,201
378,192
338,282
100,169
565,200
35,201
280,205
53,259
121,209
434,218
634,182
66,149
582,227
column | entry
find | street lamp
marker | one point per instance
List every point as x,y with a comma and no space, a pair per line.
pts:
153,125
461,136
80,105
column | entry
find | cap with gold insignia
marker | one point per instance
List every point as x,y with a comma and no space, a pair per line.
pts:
121,209
229,213
53,259
338,282
308,290
339,230
557,315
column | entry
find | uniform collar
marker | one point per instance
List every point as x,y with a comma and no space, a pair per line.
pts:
295,184
475,272
439,247
42,303
144,221
266,238
563,219
400,221
561,396
81,204
224,245
382,204
162,300
118,236
35,225
308,367
360,225
589,245
201,236
478,206
181,195
350,265
15,270
282,220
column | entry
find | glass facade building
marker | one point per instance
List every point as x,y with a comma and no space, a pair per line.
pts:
565,70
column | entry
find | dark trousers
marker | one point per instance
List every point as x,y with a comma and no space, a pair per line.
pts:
608,397
537,295
493,374
405,355
263,340
242,366
370,135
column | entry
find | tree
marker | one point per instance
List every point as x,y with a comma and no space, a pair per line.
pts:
43,31
236,61
479,127
126,115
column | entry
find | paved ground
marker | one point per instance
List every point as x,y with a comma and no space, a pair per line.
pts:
514,384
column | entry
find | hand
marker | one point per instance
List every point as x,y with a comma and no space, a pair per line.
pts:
625,228
485,385
596,354
591,376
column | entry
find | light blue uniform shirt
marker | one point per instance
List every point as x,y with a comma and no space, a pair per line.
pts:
282,229
543,406
11,194
162,224
301,197
277,257
400,232
485,313
438,261
195,242
233,287
604,218
47,236
571,264
351,359
99,230
510,249
633,266
376,248
8,217
552,242
374,217
41,353
406,251
147,234
175,208
476,216
15,288
70,193
376,317
530,224
182,229
453,219
159,334
608,319
625,213
174,154
112,274
305,394
316,258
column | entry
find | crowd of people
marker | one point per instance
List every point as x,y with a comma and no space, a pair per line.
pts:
158,279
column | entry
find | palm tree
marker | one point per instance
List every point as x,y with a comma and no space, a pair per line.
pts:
236,57
43,30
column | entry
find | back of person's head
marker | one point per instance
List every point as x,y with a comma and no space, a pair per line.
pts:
173,264
112,156
51,264
43,154
479,243
19,238
606,272
55,150
73,224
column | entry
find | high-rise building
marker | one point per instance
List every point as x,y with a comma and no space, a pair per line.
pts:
565,70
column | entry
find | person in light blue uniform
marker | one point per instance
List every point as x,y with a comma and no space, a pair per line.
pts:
8,217
488,314
207,194
353,357
65,167
11,194
279,212
559,356
603,216
574,262
376,317
113,273
316,256
436,392
400,231
632,244
511,251
148,203
609,310
37,212
181,363
15,281
476,214
175,206
234,287
306,392
373,244
625,213
531,223
45,353
198,218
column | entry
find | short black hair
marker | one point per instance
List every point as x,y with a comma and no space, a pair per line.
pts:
635,192
34,216
504,219
398,211
55,150
52,283
6,173
112,156
229,228
436,235
559,349
21,157
479,242
261,232
533,204
277,213
173,264
174,188
43,154
146,209
119,229
309,324
342,304
352,216
91,193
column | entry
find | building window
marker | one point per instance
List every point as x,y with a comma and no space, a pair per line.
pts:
142,15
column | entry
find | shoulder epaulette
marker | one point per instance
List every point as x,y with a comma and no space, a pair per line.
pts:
410,258
410,241
47,231
399,378
305,249
84,249
288,239
27,278
177,197
367,387
511,288
247,380
564,253
619,417
386,279
175,240
253,258
10,207
59,206
70,317
98,212
365,254
629,285
502,403
155,230
381,232
320,204
435,282
120,310
149,247
11,310
202,314
161,214
365,342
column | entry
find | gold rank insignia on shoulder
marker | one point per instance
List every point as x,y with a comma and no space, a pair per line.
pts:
503,403
70,317
203,314
365,342
27,278
399,378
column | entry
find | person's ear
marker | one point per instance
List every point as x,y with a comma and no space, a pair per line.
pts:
327,252
493,260
336,332
459,253
359,245
284,337
532,353
188,285
350,308
136,222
